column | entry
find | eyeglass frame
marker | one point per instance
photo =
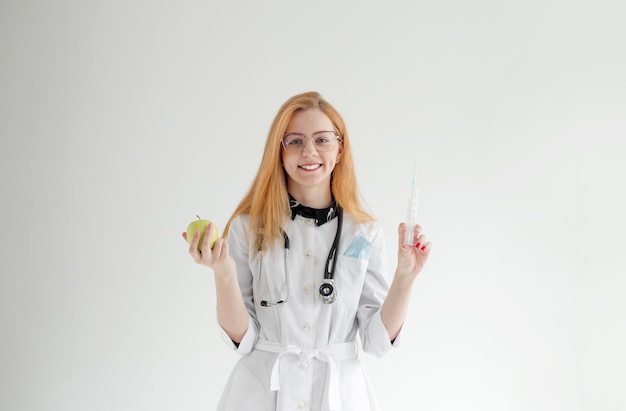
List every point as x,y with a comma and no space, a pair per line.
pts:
338,138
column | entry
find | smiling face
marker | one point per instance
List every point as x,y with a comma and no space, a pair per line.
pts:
309,171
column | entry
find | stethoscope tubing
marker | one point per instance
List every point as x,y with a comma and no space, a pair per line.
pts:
327,290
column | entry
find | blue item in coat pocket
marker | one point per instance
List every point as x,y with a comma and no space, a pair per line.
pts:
360,248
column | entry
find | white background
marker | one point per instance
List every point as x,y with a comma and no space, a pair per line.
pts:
122,120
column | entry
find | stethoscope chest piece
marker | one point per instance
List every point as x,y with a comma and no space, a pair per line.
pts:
327,292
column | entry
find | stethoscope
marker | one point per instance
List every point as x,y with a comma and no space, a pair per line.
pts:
327,290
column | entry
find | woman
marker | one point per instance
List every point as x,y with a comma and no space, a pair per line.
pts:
304,270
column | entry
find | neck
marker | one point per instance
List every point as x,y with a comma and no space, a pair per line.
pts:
320,198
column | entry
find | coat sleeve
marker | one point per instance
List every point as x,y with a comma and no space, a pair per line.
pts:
239,246
374,335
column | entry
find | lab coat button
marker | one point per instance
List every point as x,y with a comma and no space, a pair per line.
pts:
306,327
304,365
308,289
309,221
301,406
308,253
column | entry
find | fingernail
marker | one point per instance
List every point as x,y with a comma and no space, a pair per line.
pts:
417,245
423,248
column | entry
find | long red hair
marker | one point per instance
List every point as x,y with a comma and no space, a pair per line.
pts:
267,201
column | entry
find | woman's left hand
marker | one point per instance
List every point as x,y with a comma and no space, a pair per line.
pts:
412,258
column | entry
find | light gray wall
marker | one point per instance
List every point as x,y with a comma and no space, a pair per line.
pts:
122,120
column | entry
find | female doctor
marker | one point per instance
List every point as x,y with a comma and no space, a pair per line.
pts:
301,269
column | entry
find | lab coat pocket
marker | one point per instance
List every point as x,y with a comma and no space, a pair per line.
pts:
349,280
360,248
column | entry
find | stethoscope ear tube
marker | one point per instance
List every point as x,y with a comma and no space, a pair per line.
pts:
265,303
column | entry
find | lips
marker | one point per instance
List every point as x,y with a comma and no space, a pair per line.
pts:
310,167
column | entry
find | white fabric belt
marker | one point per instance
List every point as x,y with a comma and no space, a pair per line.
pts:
329,354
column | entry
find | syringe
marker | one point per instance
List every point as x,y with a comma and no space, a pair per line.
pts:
411,216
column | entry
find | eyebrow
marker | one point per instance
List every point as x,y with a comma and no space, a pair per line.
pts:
315,132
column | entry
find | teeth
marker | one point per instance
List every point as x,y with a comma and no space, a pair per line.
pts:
310,167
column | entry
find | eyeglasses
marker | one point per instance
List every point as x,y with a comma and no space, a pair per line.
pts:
323,141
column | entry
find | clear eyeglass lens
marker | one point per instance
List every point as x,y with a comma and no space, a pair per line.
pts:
324,141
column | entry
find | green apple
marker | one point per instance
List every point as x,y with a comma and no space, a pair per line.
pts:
201,225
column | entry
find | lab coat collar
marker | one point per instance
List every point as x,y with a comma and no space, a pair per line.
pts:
320,215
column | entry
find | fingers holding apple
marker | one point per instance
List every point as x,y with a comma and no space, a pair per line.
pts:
207,249
196,231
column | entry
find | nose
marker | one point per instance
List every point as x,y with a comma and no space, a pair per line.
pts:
309,149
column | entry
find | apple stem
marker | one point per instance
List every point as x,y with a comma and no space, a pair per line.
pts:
198,217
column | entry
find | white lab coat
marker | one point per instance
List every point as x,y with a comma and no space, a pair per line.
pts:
302,355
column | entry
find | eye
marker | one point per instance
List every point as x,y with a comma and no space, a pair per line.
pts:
294,141
324,138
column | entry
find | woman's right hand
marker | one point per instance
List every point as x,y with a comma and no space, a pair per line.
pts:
217,258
